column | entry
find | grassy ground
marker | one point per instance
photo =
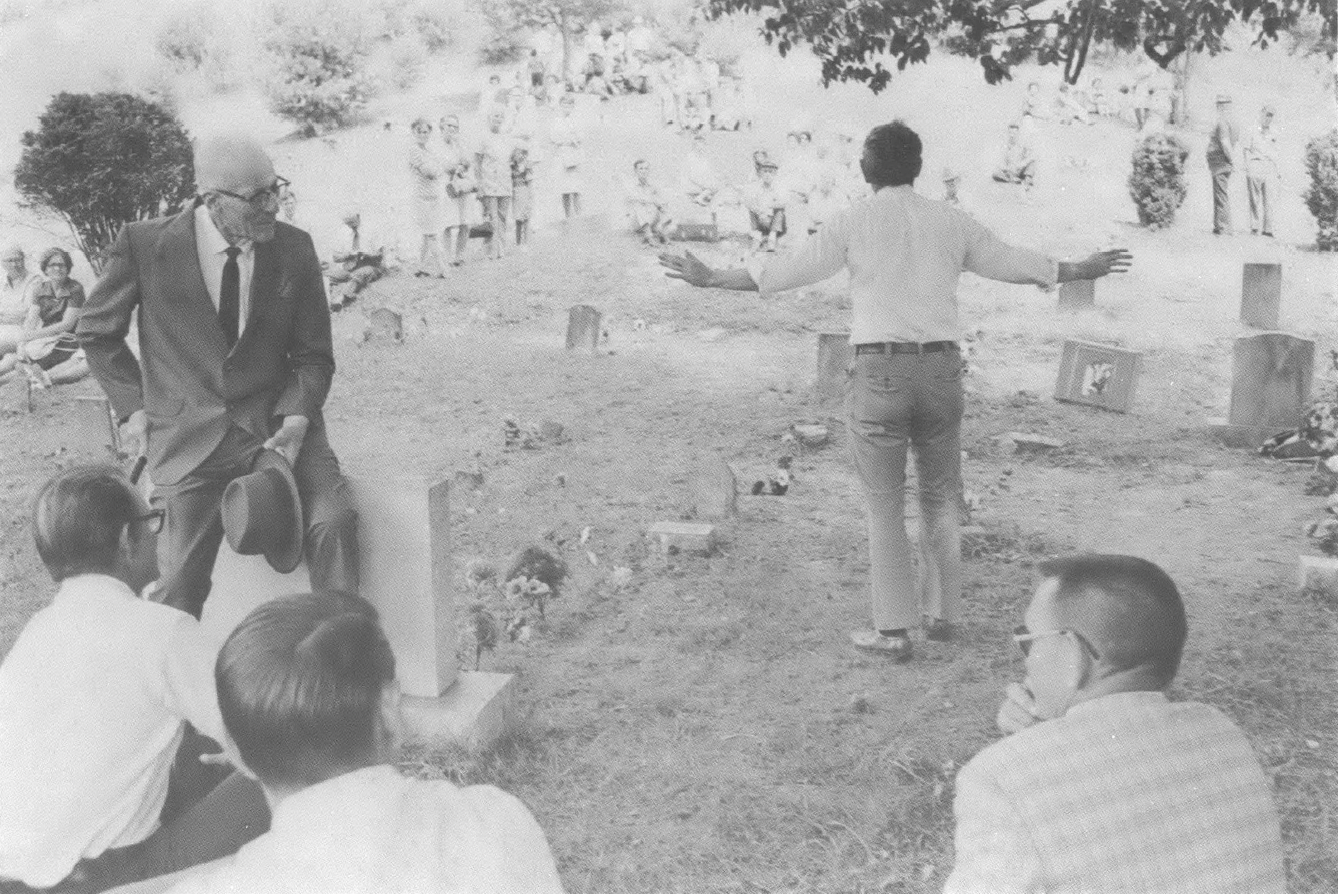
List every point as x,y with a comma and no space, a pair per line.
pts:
704,727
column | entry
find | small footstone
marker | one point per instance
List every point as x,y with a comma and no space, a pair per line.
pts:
583,329
714,489
811,435
1077,294
386,324
1319,574
683,536
1261,295
1023,442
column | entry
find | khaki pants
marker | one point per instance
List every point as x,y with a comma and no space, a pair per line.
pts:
899,402
1261,204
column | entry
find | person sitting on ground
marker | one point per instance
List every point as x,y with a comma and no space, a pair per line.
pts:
51,352
95,694
308,691
647,206
16,298
1072,107
1019,162
595,77
766,208
1101,782
1035,103
701,183
1098,103
357,263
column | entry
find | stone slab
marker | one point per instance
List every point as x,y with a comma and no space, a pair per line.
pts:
811,435
1270,380
403,527
1077,294
683,536
1098,375
583,329
1318,574
835,354
1261,295
477,710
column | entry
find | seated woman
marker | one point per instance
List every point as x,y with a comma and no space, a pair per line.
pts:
49,348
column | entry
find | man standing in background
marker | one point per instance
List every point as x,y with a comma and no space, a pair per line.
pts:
1221,161
1261,173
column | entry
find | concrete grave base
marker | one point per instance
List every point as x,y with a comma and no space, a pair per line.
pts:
1320,574
1249,437
477,709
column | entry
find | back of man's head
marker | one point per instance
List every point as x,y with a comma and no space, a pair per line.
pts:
78,519
300,686
893,155
1128,608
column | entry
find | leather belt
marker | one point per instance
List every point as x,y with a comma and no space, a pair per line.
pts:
905,347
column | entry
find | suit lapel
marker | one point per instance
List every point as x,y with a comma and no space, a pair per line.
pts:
264,281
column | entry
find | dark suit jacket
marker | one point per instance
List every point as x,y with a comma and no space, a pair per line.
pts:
190,386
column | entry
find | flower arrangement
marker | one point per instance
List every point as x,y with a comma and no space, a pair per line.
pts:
515,604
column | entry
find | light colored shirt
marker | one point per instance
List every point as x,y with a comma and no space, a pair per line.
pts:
763,200
92,699
212,250
1127,793
374,831
1261,154
16,298
905,254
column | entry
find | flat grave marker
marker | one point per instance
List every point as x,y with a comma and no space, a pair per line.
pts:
1098,375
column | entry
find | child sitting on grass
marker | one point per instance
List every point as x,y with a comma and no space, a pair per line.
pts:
307,689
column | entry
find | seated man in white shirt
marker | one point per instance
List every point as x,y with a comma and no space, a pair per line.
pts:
307,688
1019,162
766,207
648,206
1101,782
95,695
359,261
905,254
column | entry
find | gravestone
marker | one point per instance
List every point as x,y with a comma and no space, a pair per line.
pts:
386,324
714,488
835,354
405,572
95,431
676,536
1261,295
1270,381
1077,294
583,329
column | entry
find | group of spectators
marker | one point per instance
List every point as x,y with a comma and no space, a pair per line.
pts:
38,312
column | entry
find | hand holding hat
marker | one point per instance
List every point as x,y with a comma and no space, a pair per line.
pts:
262,512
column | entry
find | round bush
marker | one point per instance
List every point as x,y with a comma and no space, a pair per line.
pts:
1321,164
320,55
1157,181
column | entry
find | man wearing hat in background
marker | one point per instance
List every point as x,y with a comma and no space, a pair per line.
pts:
766,206
236,356
1261,173
1221,161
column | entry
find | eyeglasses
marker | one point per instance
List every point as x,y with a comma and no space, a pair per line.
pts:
153,520
1023,637
261,197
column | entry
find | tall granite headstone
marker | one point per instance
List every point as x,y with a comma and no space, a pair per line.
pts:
1270,383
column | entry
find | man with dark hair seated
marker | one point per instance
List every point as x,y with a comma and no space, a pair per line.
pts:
905,254
307,689
766,206
94,696
1102,783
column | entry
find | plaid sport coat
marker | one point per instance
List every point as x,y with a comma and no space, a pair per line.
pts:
1125,794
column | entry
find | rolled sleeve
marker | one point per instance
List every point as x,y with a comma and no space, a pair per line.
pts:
820,257
989,256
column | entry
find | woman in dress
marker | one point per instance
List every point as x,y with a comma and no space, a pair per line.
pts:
49,343
566,140
428,177
492,162
461,188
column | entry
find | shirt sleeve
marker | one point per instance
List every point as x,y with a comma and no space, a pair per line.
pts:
820,257
994,853
989,256
188,669
525,865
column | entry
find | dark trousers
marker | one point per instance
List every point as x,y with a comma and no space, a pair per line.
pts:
771,225
1221,200
194,528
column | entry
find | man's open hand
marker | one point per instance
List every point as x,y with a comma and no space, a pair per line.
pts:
1115,260
687,267
135,435
288,439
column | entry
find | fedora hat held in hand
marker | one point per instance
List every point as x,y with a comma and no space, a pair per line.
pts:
262,513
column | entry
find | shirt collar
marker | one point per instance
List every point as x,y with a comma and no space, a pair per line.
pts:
1116,701
210,237
84,586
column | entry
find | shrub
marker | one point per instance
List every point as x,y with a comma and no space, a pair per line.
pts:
434,26
101,160
1321,163
502,46
183,38
1157,182
320,54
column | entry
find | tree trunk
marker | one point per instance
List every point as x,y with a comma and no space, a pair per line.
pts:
1181,70
566,51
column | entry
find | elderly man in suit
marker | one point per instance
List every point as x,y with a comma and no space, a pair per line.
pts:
1102,783
235,356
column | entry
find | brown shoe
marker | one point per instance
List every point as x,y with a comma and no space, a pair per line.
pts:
939,630
898,648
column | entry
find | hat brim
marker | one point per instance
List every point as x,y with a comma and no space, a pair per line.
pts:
284,557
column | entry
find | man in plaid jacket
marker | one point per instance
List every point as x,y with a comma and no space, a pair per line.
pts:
1102,784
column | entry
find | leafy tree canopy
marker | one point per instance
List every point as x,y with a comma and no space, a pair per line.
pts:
851,37
102,160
